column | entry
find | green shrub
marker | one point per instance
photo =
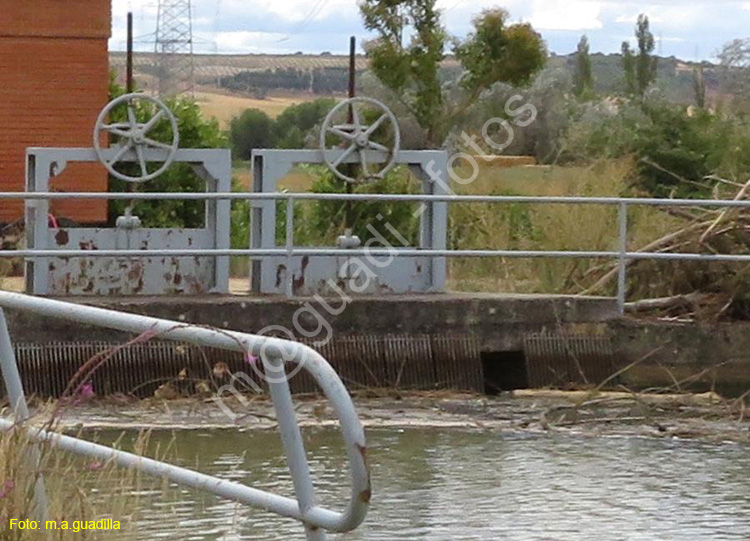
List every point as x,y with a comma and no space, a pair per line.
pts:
675,149
327,218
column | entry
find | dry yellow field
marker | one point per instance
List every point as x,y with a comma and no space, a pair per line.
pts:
224,108
296,181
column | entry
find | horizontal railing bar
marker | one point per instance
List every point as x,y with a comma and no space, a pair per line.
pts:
374,253
34,196
227,489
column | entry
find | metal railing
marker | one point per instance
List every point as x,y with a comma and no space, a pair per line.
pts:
622,255
273,353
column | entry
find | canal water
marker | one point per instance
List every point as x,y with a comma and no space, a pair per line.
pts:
470,485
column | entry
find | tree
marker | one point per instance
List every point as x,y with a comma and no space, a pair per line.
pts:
628,66
640,68
252,129
293,125
734,59
699,87
410,71
493,52
583,78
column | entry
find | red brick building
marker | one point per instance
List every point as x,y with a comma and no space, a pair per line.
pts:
54,73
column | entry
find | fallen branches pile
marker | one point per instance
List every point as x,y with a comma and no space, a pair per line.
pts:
695,289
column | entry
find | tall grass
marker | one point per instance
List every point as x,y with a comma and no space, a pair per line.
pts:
78,489
508,226
541,227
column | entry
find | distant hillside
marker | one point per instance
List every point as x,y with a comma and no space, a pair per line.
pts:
674,77
257,75
211,69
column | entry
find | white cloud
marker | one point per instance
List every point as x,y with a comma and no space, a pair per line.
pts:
250,42
324,25
566,15
295,11
684,16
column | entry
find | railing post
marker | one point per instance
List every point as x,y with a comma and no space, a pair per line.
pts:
291,438
289,246
622,261
17,397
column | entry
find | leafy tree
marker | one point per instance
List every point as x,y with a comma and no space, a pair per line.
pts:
494,52
326,219
647,62
640,66
583,78
734,59
699,87
628,66
411,71
252,129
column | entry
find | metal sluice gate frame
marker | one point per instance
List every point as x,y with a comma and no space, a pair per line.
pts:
273,352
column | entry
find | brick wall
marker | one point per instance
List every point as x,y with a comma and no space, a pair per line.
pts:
54,72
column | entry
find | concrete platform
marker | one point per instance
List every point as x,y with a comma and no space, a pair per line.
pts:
500,321
700,356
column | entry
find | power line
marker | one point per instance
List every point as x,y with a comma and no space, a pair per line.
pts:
317,8
454,5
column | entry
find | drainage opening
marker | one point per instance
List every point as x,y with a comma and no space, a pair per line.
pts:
504,371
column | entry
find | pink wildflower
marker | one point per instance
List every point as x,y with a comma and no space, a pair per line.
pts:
7,488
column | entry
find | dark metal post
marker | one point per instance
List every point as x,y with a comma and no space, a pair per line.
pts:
129,76
130,88
352,67
351,168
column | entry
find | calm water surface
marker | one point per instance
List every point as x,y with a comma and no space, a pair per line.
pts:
461,485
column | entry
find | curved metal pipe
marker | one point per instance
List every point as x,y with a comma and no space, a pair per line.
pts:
270,348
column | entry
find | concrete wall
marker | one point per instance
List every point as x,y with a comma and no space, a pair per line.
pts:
54,73
499,321
698,356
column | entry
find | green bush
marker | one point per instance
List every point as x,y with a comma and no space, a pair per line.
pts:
327,219
675,149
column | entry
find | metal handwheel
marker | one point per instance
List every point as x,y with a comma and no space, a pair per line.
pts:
134,137
360,138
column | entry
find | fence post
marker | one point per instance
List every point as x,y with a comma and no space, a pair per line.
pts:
291,438
17,397
622,261
289,246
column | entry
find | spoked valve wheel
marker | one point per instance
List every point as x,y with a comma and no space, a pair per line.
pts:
134,140
373,147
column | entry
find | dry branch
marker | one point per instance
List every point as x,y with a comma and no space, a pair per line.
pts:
657,244
665,303
725,213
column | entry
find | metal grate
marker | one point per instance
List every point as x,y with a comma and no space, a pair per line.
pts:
564,360
140,369
388,361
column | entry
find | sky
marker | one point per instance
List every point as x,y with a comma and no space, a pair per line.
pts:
688,29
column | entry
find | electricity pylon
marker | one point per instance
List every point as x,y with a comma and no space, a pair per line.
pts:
174,48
